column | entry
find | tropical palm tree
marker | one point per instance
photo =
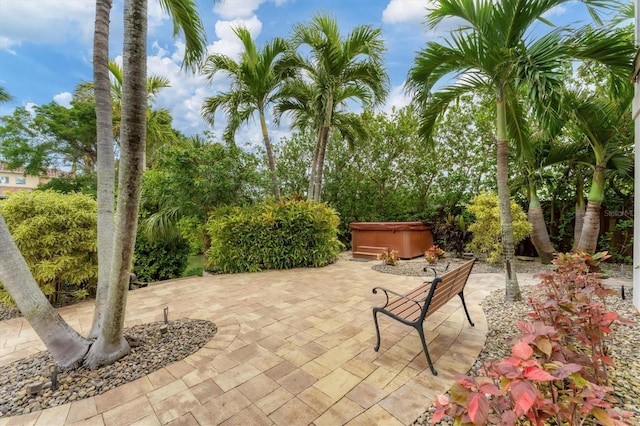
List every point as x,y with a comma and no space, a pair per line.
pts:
4,95
493,51
255,80
337,71
67,347
604,126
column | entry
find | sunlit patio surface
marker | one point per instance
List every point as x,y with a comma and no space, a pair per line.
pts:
293,347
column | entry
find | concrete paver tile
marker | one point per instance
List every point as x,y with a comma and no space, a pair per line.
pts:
339,413
81,410
175,406
404,405
376,415
170,389
128,412
249,416
259,386
122,394
91,421
316,370
179,369
294,412
25,419
316,399
274,400
206,391
150,420
280,370
184,420
297,381
53,415
366,394
220,408
235,376
160,378
337,383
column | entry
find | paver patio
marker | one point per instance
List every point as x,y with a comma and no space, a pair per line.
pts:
293,347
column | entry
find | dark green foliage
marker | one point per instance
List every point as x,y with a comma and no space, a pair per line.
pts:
270,235
85,184
159,260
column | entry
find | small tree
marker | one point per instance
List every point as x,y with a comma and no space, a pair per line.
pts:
56,233
487,235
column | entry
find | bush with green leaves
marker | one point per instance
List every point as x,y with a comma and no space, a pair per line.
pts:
269,235
57,235
487,232
159,260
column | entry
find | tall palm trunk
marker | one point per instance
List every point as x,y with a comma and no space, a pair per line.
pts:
580,211
111,344
540,235
65,345
323,139
591,227
270,156
106,161
314,167
512,290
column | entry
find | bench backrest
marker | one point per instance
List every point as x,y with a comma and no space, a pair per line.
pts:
445,287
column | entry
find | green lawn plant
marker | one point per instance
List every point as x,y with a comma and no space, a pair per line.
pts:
487,232
56,233
270,235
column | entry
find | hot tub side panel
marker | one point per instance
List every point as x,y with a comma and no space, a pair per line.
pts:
410,239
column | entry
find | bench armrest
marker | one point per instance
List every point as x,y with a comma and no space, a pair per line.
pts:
435,273
387,292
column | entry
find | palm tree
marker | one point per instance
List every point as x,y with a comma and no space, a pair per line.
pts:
337,71
4,95
255,80
67,347
492,51
604,126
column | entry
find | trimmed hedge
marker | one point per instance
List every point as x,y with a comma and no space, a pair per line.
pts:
269,235
57,235
159,260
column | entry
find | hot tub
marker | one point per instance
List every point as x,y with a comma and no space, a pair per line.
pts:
410,239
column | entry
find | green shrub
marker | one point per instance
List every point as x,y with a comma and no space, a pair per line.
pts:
57,235
159,260
487,232
271,235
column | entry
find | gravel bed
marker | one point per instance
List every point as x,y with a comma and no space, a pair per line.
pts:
150,351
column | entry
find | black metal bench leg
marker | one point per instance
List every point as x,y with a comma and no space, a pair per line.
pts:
464,305
375,321
424,346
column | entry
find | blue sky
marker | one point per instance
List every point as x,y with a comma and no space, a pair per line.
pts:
45,45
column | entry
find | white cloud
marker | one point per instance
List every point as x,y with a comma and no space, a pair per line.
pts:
230,9
228,43
401,11
398,98
45,21
63,99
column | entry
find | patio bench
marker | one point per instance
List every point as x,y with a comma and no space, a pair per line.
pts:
412,308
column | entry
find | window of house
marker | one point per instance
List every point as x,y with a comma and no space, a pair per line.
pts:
21,181
4,179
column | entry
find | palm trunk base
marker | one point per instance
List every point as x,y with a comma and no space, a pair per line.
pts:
102,353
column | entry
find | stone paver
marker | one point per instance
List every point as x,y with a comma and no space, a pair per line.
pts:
293,347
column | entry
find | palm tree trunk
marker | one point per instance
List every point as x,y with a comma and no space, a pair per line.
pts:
270,156
512,290
324,136
65,345
591,227
111,344
580,211
540,235
105,161
314,167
